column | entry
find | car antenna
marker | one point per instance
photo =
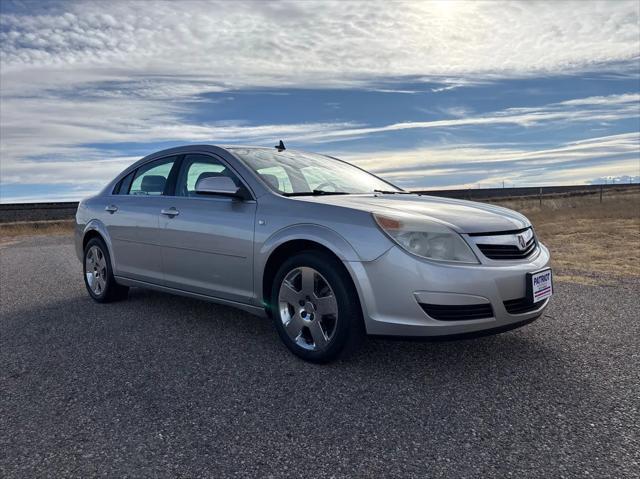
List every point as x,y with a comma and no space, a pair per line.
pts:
280,146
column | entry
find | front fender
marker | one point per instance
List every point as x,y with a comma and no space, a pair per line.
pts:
322,235
310,232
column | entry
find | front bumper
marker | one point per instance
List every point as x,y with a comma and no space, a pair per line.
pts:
392,287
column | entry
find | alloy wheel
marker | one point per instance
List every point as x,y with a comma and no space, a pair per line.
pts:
308,308
96,270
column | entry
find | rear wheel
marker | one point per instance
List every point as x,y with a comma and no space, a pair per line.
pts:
98,274
316,308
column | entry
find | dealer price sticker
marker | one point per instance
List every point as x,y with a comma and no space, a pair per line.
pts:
542,286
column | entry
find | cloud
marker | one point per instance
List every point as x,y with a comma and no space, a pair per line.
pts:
463,166
453,83
391,90
78,77
449,166
58,156
610,108
291,43
61,127
628,98
610,180
445,88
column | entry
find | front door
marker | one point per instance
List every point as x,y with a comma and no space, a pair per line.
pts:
208,240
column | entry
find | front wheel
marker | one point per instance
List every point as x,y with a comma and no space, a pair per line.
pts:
98,275
316,308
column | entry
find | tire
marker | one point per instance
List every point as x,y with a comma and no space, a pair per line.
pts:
98,274
322,326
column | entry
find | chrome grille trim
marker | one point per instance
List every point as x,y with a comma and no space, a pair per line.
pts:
506,246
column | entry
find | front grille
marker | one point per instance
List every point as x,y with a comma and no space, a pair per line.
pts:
446,312
521,305
502,251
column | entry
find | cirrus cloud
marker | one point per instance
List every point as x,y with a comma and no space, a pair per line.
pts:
292,43
80,78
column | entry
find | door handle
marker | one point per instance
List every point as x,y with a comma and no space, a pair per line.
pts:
111,209
171,212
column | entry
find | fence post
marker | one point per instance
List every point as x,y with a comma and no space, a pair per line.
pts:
601,193
540,196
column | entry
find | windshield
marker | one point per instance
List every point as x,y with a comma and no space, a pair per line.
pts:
295,173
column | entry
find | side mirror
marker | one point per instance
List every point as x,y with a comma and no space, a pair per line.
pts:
218,185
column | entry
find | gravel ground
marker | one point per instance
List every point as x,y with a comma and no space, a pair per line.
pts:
162,386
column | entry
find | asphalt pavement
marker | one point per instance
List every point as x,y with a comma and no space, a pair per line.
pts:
163,386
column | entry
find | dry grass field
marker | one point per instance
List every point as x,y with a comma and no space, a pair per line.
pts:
9,232
591,242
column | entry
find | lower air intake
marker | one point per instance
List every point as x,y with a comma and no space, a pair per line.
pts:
464,312
521,305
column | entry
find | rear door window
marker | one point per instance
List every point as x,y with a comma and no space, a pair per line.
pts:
151,179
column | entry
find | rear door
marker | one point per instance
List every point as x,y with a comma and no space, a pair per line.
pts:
208,241
133,220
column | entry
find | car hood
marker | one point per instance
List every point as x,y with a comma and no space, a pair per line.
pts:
462,216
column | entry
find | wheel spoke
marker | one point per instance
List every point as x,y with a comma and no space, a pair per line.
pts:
90,257
100,260
320,339
99,285
294,326
290,295
307,281
327,305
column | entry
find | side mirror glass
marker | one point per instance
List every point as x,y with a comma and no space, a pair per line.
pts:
218,185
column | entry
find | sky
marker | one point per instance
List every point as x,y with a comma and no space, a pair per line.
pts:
427,94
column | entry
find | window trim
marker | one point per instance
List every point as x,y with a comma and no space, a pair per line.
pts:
170,186
117,190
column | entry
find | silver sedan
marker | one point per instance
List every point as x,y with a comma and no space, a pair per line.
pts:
327,250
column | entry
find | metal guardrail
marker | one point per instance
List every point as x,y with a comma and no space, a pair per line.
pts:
20,212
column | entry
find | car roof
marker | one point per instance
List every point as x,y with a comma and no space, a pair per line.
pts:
183,149
212,145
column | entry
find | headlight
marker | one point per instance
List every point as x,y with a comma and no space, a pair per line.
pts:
426,238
